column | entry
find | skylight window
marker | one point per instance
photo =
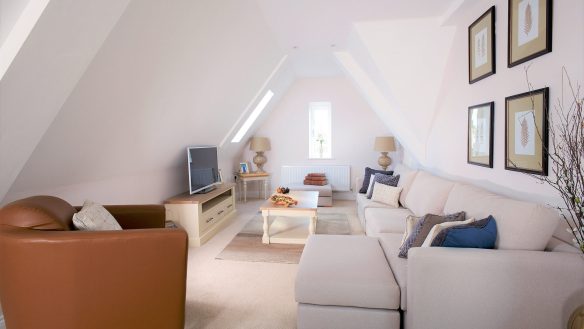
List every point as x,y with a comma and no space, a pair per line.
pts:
253,117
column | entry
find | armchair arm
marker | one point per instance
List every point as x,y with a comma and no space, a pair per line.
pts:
80,279
477,288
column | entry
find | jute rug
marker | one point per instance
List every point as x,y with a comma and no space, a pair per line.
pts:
247,245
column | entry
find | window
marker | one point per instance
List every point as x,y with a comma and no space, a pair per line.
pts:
253,116
319,130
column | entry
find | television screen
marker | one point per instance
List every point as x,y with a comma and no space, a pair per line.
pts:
203,168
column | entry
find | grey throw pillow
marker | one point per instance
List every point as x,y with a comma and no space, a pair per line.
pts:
382,179
367,177
423,227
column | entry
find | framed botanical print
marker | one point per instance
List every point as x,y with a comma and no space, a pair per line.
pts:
529,30
481,47
480,134
526,132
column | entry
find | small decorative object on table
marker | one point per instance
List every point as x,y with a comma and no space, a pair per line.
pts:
283,200
282,190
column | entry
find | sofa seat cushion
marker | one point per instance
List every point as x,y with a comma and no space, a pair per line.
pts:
386,220
364,203
428,194
520,225
390,242
341,270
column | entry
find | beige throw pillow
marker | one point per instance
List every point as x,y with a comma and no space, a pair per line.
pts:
386,194
94,217
440,227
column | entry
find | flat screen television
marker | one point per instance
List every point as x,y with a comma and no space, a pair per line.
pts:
203,169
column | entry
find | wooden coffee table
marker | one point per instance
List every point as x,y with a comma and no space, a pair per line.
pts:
286,226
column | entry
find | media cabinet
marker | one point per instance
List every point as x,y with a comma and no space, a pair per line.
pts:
202,215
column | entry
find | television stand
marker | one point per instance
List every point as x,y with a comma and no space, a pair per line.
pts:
202,215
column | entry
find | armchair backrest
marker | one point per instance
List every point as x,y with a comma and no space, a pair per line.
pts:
47,213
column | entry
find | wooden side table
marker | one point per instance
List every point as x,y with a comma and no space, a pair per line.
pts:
243,179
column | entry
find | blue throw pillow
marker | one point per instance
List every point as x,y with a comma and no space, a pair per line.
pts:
367,177
479,234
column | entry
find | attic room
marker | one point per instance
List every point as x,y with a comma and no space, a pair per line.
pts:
291,164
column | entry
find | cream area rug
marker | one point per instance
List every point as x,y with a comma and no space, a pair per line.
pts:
247,244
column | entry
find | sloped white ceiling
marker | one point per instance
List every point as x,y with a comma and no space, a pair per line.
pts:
171,74
51,59
399,65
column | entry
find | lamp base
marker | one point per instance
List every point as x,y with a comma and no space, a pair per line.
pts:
259,160
384,161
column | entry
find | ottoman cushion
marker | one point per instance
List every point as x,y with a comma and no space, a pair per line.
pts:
343,270
324,190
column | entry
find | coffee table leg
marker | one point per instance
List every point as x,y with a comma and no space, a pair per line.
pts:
266,236
312,226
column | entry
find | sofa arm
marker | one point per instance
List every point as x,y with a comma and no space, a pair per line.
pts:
109,279
477,288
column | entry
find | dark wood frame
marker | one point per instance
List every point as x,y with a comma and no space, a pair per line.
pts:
491,134
549,32
493,46
544,135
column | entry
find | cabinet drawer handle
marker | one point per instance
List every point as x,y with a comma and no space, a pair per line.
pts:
229,205
208,220
219,213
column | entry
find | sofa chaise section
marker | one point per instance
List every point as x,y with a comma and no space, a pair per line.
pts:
345,282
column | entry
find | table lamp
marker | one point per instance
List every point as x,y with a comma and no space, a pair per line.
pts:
384,144
259,145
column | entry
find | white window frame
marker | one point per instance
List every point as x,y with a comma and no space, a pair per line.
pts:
317,150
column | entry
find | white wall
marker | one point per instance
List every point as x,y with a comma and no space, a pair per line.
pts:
446,151
171,74
354,128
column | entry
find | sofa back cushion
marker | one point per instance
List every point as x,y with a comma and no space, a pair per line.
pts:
406,179
520,225
39,213
428,194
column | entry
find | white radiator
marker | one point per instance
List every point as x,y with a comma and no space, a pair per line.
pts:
339,177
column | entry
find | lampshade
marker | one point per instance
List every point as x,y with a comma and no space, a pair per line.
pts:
259,144
384,144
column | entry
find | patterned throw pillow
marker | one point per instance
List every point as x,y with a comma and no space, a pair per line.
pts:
386,194
479,234
416,239
367,177
411,222
382,179
94,217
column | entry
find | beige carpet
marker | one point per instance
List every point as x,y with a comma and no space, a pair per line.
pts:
247,245
244,295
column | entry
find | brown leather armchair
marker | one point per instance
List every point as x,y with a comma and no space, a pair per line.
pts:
54,277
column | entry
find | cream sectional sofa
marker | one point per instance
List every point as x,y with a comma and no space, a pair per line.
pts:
533,279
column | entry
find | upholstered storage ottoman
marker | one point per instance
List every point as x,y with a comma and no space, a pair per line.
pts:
345,282
325,193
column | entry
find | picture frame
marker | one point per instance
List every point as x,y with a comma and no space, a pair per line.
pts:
481,47
529,30
526,132
480,134
243,168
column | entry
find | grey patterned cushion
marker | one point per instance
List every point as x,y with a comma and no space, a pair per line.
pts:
382,179
423,227
367,177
